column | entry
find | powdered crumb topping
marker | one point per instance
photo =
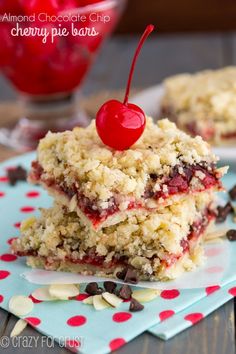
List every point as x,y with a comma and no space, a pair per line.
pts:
205,101
100,172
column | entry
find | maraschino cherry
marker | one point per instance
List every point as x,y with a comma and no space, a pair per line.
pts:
120,125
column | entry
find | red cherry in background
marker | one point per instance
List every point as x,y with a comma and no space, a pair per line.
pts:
10,6
118,124
35,46
7,45
39,6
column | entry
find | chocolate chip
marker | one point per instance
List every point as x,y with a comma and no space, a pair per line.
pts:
125,292
131,277
231,235
148,193
109,286
128,275
153,176
93,289
135,306
121,274
16,174
222,212
232,193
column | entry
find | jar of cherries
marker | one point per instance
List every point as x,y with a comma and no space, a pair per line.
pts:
47,48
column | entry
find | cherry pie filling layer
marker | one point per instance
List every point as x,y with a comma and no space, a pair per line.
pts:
91,258
208,133
183,179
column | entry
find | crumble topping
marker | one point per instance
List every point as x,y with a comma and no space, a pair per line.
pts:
80,157
203,103
60,235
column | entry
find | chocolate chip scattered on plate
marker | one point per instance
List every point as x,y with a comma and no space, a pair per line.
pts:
135,306
223,212
93,289
125,292
16,174
128,275
231,235
109,286
232,193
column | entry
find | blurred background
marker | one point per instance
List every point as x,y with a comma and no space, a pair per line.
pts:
199,25
190,35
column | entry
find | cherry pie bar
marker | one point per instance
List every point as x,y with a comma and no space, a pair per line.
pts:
203,104
103,185
158,245
146,207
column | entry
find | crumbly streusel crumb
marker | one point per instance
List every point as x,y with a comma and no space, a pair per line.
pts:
203,103
60,235
100,172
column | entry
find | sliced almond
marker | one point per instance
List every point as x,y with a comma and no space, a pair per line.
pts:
18,328
145,295
99,303
42,294
63,291
88,300
20,305
215,234
112,299
214,240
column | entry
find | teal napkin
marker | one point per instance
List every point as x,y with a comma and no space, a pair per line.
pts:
72,323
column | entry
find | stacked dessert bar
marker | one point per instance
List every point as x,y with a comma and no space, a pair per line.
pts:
146,208
203,104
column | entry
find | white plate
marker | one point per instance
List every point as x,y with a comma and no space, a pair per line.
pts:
150,99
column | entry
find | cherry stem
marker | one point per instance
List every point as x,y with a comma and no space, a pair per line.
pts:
146,33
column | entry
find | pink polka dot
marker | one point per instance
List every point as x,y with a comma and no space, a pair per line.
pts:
35,301
215,269
1,298
170,294
3,179
81,297
32,194
166,314
76,321
27,209
33,321
10,240
232,291
116,343
72,344
2,194
212,289
194,317
17,225
8,257
211,252
121,316
4,274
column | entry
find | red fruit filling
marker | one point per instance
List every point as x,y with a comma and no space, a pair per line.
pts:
196,230
176,183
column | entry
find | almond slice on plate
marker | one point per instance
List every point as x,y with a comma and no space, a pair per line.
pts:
88,300
99,303
63,291
145,295
18,328
42,294
20,305
215,234
214,240
112,299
